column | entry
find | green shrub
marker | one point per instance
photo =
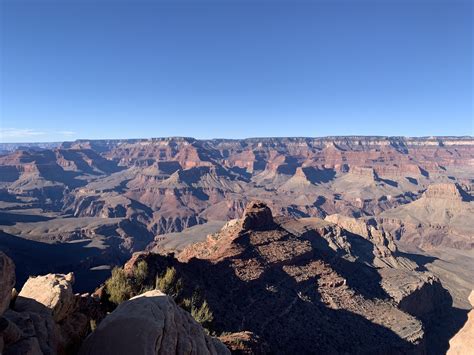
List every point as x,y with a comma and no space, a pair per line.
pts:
198,308
203,314
169,283
93,324
140,274
119,287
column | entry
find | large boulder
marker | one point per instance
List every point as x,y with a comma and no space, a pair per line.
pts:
47,311
53,291
37,334
7,281
150,324
463,341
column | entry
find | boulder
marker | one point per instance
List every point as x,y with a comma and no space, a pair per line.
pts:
463,341
53,291
36,333
9,331
72,331
7,281
150,324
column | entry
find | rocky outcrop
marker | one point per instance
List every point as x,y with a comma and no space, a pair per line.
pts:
150,324
7,281
45,317
52,291
442,217
257,216
384,248
417,293
286,280
463,342
446,191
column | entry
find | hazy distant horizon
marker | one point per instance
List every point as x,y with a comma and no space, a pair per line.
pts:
236,138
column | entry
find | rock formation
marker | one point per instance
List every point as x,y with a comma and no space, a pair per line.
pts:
150,324
303,284
244,343
446,191
257,216
45,317
86,206
150,187
53,291
463,342
442,217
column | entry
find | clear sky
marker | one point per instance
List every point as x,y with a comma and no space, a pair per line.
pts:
233,69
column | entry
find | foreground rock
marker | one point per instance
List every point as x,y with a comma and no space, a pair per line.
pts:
463,341
45,318
52,291
150,324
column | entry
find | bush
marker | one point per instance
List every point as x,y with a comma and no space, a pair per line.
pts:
203,314
169,283
199,309
119,287
140,274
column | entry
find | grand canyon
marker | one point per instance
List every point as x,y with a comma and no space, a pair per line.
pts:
351,244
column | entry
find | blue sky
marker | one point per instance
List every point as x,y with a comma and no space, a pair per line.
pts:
233,69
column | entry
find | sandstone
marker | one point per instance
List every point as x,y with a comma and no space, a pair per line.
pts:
463,342
150,324
46,317
53,291
384,248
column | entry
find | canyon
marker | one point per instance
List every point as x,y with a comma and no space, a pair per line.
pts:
296,243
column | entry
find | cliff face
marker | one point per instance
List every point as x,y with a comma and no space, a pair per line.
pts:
446,191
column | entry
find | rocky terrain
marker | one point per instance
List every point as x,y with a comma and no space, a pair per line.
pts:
375,222
46,317
301,284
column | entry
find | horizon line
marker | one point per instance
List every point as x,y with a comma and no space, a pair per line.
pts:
426,137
